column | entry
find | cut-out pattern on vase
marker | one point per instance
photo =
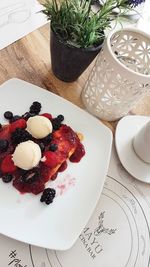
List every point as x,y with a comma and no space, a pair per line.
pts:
120,77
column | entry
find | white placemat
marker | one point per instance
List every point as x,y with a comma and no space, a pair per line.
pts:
118,234
18,18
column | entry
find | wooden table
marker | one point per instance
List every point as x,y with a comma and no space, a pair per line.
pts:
29,59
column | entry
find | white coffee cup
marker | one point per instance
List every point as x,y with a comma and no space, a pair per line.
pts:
141,143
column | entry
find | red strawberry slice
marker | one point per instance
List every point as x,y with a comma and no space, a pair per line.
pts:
47,115
5,132
51,159
21,123
7,164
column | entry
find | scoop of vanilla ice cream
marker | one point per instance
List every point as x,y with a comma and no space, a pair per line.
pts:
39,126
27,155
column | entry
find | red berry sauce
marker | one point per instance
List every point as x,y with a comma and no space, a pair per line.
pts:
68,146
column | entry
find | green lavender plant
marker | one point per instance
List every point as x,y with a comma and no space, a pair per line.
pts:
75,22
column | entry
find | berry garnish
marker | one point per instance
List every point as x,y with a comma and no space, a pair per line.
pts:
42,147
0,126
3,145
53,147
60,117
20,135
51,159
5,132
35,108
48,195
46,140
27,115
35,187
56,124
30,176
47,115
7,178
56,148
21,123
22,172
7,164
15,118
8,115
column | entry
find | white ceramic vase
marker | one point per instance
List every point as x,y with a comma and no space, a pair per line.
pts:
121,75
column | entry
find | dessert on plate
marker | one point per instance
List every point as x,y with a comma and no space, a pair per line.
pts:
34,148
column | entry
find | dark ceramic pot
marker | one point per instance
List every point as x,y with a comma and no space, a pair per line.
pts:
69,62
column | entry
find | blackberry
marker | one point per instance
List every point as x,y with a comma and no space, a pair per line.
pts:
3,145
35,108
48,195
53,147
20,135
30,176
8,115
7,178
47,139
56,124
0,126
60,117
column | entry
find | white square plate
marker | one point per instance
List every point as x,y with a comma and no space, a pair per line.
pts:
57,226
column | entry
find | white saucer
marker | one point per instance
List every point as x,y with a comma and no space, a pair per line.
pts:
126,129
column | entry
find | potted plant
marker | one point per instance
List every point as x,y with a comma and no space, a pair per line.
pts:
78,32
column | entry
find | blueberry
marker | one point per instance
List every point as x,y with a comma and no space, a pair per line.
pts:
56,124
60,117
3,145
53,147
7,178
8,115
